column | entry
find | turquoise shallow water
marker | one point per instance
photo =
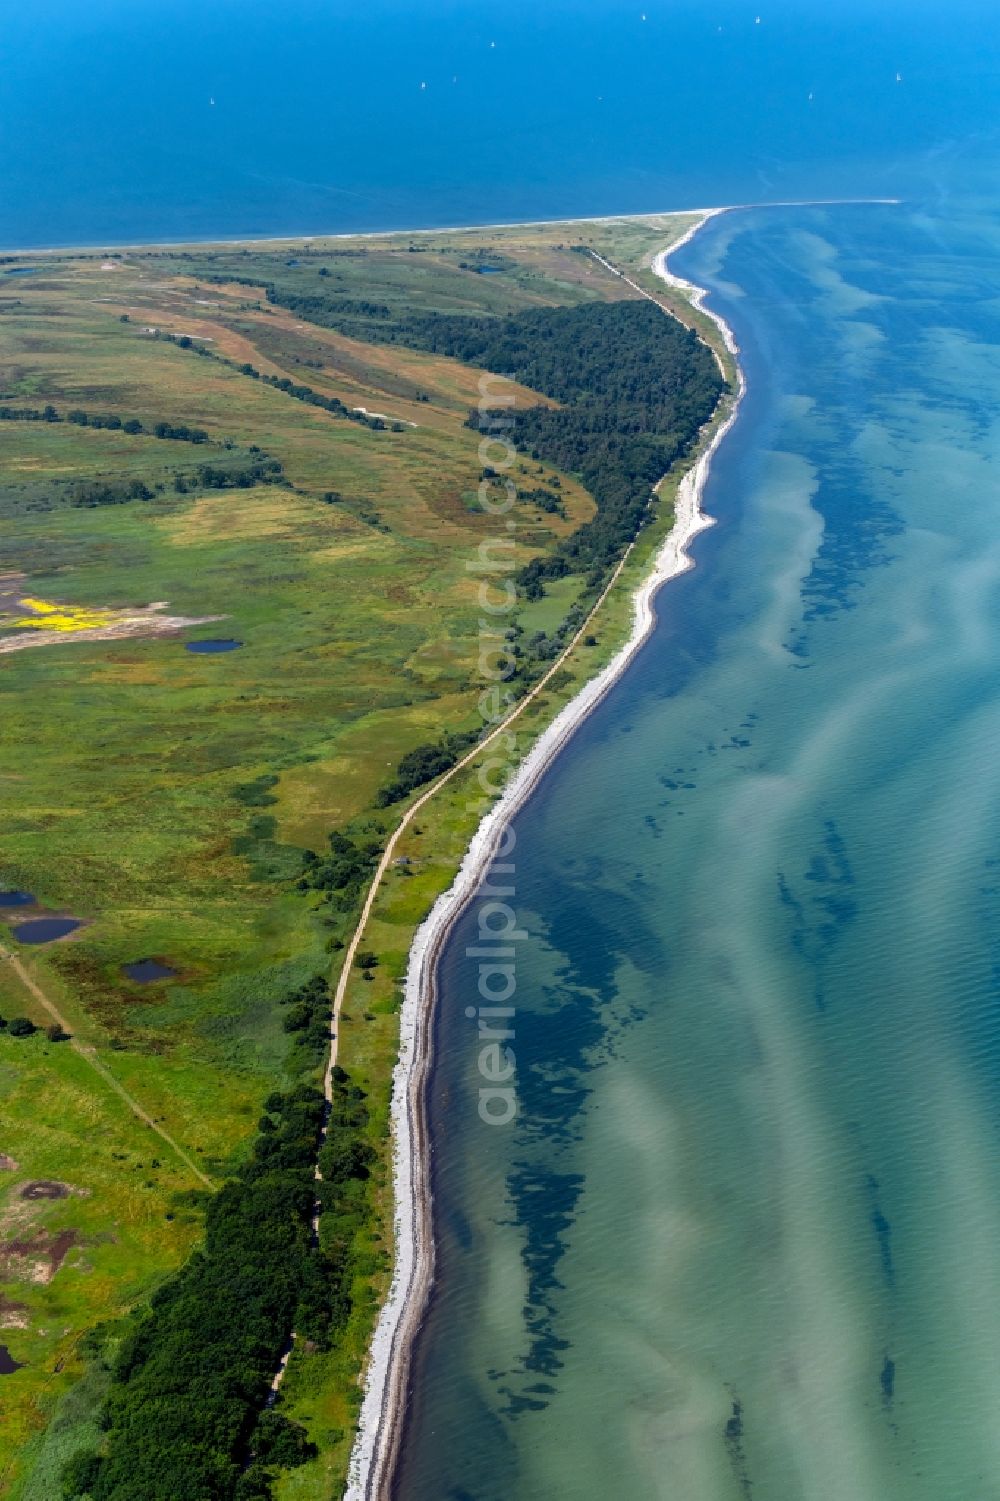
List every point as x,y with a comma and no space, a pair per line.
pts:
743,1239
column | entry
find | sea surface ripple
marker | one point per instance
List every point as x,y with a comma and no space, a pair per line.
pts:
744,1236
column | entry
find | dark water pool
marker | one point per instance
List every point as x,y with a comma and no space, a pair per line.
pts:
8,1365
16,899
144,971
45,929
23,271
208,648
44,1188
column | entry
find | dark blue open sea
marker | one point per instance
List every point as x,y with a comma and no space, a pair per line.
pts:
743,1237
126,120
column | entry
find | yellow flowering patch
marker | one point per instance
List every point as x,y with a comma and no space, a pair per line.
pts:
46,616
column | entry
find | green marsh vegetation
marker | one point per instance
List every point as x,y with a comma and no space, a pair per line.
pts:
224,814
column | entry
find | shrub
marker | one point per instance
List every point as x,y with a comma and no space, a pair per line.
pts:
280,1442
81,1474
423,764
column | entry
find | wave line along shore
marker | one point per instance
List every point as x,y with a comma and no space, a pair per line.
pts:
383,1408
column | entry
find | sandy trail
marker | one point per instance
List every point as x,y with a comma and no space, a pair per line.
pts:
386,861
383,1407
89,1054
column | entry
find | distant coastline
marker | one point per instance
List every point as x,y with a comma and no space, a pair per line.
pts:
383,1409
319,236
700,215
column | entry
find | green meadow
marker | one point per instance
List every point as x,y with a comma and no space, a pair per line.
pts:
166,799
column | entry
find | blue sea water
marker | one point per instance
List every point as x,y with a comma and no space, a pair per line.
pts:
743,1238
172,118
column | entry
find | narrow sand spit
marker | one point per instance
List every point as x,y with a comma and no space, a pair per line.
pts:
384,1403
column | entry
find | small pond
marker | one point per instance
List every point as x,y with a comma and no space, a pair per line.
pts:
490,270
23,271
211,647
8,1365
145,971
45,929
16,899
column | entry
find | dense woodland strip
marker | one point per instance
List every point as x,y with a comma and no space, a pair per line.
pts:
634,385
235,476
635,388
111,421
186,1418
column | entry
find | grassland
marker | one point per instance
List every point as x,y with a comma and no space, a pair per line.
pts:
166,798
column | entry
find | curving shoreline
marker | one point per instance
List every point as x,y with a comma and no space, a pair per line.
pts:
380,1425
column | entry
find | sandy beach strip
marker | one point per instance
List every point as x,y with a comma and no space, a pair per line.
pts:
387,1378
699,215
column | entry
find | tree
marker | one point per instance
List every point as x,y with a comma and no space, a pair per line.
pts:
81,1475
21,1027
347,1157
298,1017
278,1441
191,1378
253,1485
56,1033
